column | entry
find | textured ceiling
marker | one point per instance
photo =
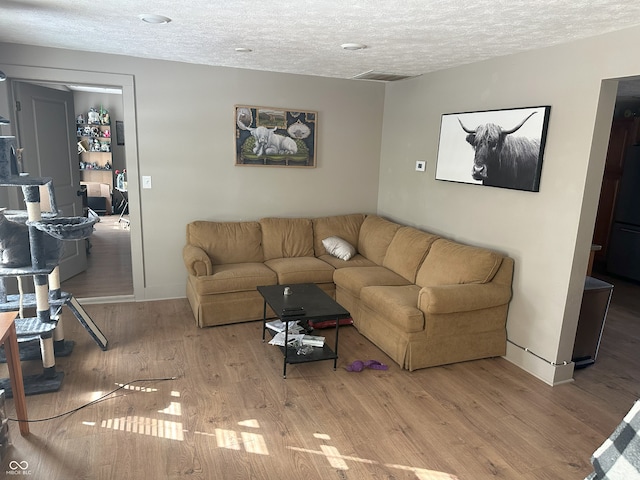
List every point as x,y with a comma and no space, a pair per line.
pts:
407,37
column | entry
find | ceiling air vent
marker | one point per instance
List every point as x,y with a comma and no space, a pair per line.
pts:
380,76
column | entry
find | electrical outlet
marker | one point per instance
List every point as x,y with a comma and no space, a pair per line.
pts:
146,181
420,165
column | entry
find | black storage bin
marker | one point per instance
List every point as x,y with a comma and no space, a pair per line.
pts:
593,313
98,204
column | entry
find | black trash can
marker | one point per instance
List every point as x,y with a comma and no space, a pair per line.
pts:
593,313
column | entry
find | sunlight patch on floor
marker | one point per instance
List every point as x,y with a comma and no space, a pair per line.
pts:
238,440
253,423
338,461
174,408
136,389
146,426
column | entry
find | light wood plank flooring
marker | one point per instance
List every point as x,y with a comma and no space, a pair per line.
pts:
231,415
109,262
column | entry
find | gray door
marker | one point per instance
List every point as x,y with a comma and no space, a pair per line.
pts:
46,130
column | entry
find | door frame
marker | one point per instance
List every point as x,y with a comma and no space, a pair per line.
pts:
126,83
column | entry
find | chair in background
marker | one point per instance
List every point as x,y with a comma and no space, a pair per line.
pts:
123,206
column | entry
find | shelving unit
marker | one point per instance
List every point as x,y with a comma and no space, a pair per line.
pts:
96,161
48,298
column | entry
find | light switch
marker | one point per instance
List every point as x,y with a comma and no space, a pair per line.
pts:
146,181
420,165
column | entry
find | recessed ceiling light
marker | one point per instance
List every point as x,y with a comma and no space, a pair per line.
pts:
353,46
152,18
243,50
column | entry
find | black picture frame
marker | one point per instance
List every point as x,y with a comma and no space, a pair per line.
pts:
119,132
498,148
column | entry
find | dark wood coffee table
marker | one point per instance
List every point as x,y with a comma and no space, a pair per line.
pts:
316,305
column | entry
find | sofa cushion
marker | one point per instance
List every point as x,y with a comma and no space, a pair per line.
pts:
237,277
356,261
346,227
338,247
375,236
450,263
397,305
287,237
301,270
355,278
227,242
407,250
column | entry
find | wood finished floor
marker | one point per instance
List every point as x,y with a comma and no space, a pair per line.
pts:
230,414
109,262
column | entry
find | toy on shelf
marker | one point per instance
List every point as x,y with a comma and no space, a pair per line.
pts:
104,116
93,117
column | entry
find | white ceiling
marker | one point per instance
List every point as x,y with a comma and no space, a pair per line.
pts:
408,37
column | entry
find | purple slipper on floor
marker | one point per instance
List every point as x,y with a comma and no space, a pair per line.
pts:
359,365
356,366
375,365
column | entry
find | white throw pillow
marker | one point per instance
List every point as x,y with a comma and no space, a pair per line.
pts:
339,248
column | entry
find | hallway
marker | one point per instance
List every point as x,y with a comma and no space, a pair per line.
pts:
109,262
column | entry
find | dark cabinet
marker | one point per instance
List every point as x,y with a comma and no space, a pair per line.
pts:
624,133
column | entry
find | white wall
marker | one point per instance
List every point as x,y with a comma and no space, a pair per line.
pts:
547,233
185,141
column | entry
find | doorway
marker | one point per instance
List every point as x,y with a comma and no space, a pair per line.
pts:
625,132
623,309
105,270
108,272
126,84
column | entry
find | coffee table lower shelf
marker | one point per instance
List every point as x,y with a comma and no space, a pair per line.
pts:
318,354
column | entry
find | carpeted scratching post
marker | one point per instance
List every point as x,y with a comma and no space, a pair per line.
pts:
61,347
39,262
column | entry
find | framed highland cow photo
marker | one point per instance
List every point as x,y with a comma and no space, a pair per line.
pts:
267,136
496,148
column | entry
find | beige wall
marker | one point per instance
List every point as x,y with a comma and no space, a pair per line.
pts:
184,126
547,233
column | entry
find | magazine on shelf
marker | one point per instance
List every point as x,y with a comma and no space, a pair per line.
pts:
279,326
293,338
313,340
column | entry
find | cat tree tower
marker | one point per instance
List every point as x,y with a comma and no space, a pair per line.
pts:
48,298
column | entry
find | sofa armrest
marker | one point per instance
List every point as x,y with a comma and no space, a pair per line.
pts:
463,297
197,261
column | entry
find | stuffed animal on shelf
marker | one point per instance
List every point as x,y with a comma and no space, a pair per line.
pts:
93,117
104,116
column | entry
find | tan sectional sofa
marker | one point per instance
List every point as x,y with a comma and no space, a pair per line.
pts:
423,299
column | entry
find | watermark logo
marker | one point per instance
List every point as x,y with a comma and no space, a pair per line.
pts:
18,468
